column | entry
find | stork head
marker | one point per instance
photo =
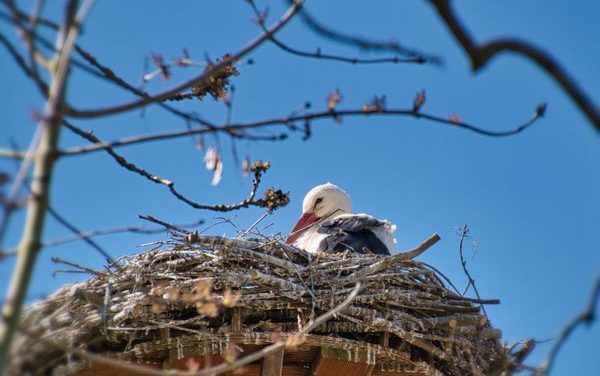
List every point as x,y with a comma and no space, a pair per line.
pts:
323,201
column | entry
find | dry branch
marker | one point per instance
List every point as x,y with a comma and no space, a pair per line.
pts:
40,187
276,283
481,54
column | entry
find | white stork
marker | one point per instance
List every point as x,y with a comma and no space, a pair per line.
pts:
328,225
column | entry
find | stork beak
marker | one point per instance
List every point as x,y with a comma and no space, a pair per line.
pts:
304,222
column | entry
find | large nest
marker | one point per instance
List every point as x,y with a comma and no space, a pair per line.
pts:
213,289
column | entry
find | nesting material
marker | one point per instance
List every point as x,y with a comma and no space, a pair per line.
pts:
215,293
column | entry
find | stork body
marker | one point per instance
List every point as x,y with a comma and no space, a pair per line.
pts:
328,225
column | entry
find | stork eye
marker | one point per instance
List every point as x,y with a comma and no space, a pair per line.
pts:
318,201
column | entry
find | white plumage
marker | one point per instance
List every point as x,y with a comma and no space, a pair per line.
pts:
327,224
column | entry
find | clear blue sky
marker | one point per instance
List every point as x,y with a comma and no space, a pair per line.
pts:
531,200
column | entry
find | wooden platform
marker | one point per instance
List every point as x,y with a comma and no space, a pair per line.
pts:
317,355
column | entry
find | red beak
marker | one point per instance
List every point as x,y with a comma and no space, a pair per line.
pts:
304,222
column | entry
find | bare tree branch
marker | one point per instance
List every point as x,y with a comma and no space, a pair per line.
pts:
480,54
260,20
281,199
362,43
71,227
288,121
201,79
40,187
111,76
134,229
464,233
588,316
20,60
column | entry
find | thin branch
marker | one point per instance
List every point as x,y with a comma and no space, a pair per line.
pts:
23,16
361,42
464,233
218,369
166,225
58,260
587,317
134,229
400,257
289,120
71,227
323,56
247,202
111,76
20,60
49,127
20,180
480,54
13,154
210,72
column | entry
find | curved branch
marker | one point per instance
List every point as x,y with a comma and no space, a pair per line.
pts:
278,200
362,43
49,127
481,54
288,121
201,79
322,56
586,317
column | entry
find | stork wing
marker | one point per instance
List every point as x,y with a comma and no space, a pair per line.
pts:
355,233
351,223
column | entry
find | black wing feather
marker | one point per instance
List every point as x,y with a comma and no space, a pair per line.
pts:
352,234
353,223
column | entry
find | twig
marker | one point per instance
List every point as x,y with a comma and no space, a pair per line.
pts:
480,54
464,233
218,369
286,120
111,76
136,229
322,56
246,232
210,72
588,316
408,255
58,260
20,60
164,224
20,180
247,202
360,42
63,221
49,127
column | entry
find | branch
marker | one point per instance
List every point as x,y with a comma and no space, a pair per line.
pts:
63,221
387,261
204,78
260,19
49,127
362,43
135,229
218,369
288,121
464,233
13,154
20,60
58,260
482,53
111,76
588,316
259,168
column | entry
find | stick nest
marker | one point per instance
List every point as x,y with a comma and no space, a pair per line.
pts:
211,287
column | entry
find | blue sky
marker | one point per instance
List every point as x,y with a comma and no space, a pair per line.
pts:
531,200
